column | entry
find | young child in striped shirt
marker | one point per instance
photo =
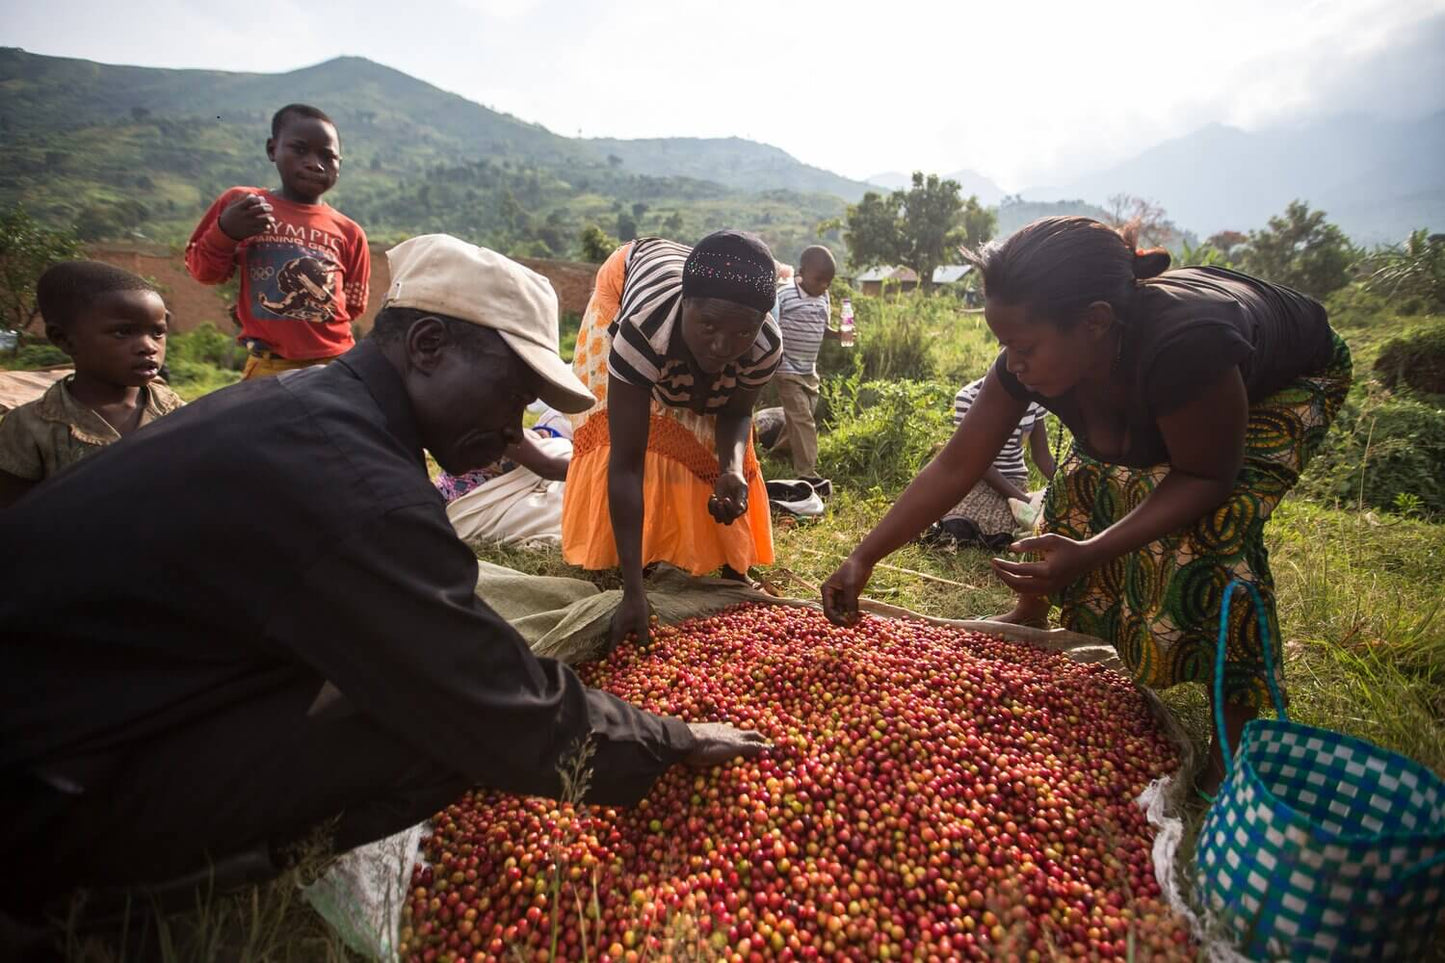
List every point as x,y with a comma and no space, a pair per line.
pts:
802,311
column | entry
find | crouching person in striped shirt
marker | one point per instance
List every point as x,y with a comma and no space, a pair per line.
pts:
983,517
802,312
675,345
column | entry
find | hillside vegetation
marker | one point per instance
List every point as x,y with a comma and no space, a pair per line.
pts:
139,152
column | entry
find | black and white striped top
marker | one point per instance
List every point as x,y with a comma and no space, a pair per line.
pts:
647,346
802,318
1010,460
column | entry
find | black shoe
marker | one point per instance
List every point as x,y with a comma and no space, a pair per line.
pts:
823,486
794,496
936,536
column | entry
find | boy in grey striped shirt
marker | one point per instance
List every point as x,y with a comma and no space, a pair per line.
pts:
801,311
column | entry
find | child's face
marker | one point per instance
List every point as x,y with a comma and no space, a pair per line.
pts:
815,278
119,339
307,154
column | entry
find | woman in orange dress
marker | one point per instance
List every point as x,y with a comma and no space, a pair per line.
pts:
675,344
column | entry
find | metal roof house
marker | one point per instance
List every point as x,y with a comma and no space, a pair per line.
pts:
872,280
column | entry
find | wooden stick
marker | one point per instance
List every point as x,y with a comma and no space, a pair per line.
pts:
865,604
789,573
894,568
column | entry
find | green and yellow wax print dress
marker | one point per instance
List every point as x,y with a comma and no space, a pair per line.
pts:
1159,605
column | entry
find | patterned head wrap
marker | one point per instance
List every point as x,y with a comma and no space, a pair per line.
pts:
731,266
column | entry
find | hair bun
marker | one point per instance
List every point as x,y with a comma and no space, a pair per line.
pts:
1150,263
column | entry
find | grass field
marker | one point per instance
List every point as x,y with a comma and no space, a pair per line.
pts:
1360,591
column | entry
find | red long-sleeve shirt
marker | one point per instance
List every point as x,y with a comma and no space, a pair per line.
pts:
301,285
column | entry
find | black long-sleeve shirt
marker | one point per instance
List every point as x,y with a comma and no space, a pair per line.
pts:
281,532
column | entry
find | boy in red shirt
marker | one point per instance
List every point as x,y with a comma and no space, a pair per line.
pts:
304,265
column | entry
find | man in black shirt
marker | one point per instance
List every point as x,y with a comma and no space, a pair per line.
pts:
253,615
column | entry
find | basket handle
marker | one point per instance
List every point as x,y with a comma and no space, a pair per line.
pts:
1220,652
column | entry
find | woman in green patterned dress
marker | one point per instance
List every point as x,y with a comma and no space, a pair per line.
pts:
1196,397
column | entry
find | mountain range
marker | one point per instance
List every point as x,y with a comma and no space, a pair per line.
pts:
136,151
1376,178
731,161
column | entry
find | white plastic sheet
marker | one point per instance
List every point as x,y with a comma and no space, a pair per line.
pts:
362,894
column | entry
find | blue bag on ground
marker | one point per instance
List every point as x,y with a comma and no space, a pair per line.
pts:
1321,846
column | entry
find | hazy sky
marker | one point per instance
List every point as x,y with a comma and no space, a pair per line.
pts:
1020,91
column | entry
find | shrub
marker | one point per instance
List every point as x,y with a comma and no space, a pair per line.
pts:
966,350
882,432
1411,274
571,324
26,250
1415,360
203,360
899,347
596,244
1386,452
35,354
192,379
206,344
895,338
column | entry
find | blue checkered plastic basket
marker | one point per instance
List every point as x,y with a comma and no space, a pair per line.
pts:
1320,846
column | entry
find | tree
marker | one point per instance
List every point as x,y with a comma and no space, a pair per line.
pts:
626,227
596,245
830,229
1227,241
673,226
553,233
932,225
516,220
638,210
979,223
26,250
918,228
872,231
1302,250
1155,228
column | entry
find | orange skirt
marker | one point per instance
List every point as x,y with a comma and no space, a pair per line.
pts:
678,472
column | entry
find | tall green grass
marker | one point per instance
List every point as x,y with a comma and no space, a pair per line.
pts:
270,923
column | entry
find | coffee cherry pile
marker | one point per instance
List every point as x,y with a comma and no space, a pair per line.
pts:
932,794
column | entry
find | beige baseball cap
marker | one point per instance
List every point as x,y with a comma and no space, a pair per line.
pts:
441,273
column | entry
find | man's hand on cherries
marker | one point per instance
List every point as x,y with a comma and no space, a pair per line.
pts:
717,742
